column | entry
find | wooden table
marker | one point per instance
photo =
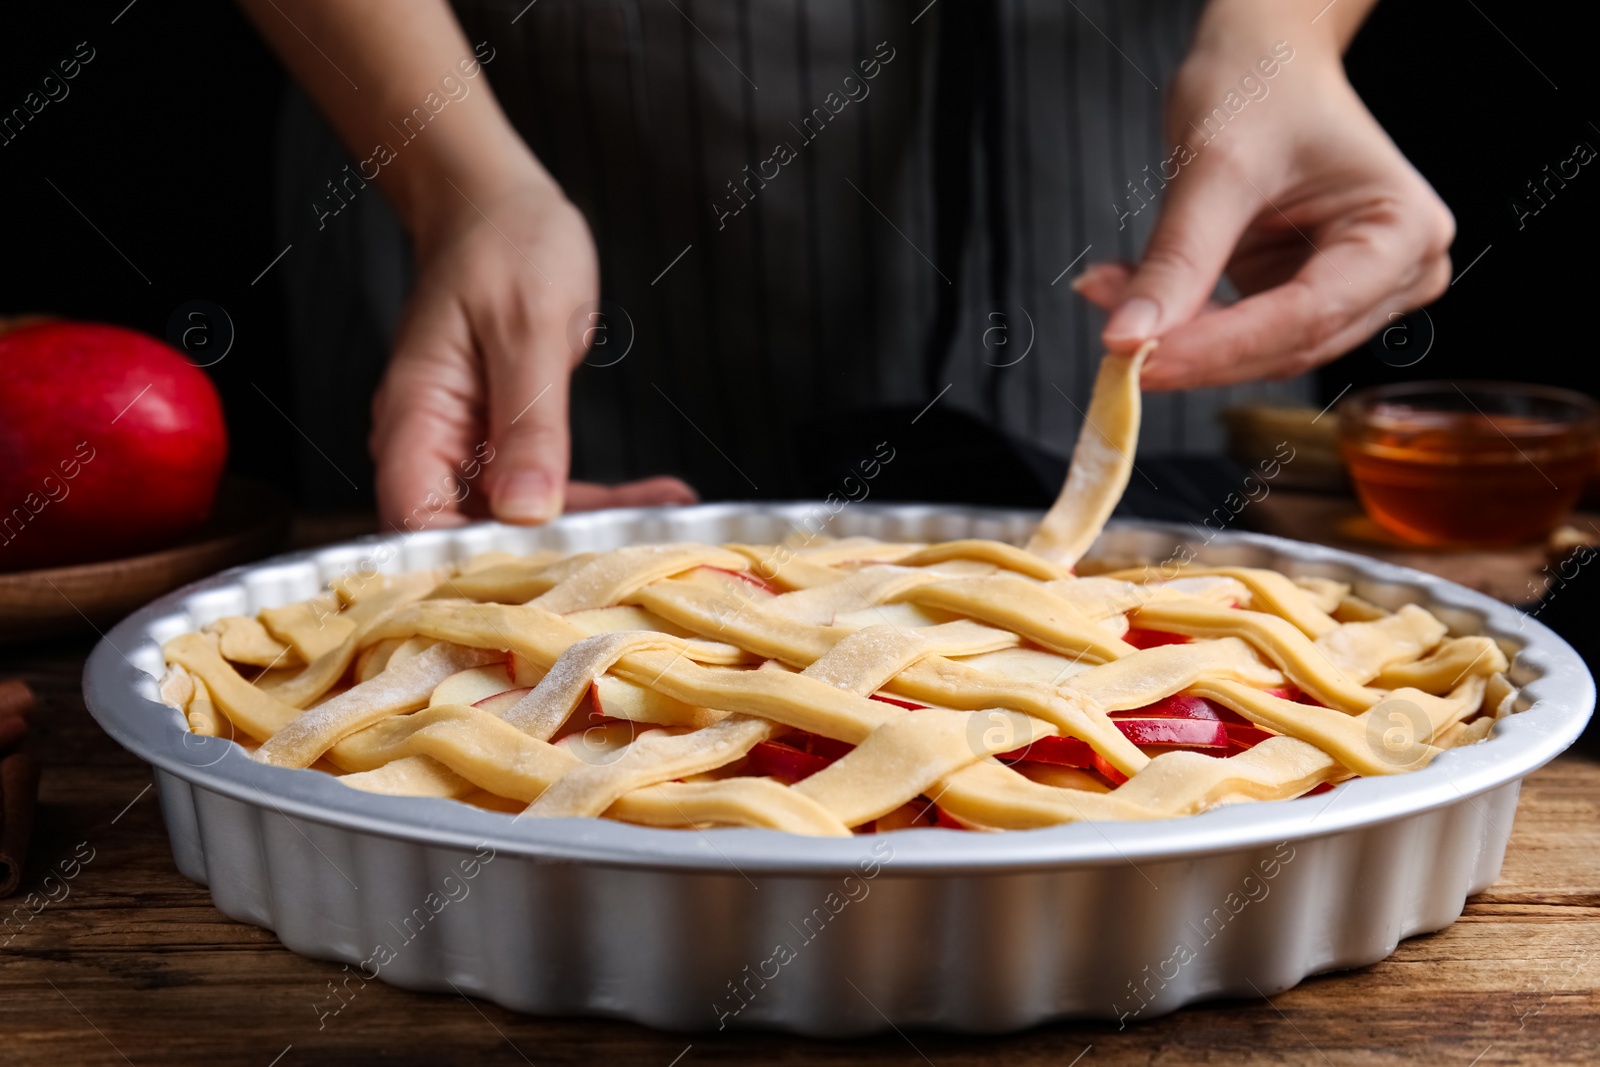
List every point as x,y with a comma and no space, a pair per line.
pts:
134,965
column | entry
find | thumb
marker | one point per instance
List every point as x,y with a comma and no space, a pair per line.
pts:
1200,222
527,368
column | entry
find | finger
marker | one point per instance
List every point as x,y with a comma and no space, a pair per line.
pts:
1323,311
527,365
1106,285
1103,284
423,419
648,493
1205,211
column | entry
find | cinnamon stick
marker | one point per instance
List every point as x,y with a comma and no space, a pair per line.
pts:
15,699
19,784
19,790
13,731
16,705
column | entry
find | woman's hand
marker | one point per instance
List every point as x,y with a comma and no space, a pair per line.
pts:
479,376
471,419
1318,220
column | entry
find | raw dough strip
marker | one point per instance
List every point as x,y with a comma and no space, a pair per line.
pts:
621,699
479,747
950,684
1443,669
772,563
1147,676
990,795
1277,639
1100,599
551,703
311,627
354,587
399,689
1325,594
866,588
832,552
869,659
759,802
1357,741
909,754
1101,463
252,710
1026,608
1360,651
650,759
204,718
610,578
1006,557
367,613
1467,733
511,583
1499,696
702,609
411,776
244,640
1269,591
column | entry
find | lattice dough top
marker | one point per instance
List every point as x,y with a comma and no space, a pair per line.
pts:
852,685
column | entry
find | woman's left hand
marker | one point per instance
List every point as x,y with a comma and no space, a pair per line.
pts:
1318,220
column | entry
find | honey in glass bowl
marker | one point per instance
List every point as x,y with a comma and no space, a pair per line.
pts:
1469,464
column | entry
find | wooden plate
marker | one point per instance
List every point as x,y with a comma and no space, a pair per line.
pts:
250,521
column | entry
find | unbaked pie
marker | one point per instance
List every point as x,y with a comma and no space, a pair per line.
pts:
838,686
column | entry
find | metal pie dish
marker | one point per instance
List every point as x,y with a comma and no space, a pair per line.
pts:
700,930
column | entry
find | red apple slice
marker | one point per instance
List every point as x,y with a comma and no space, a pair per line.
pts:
601,743
1064,751
1054,774
751,579
1067,752
1242,737
374,658
777,760
471,686
1141,638
615,698
501,703
523,671
897,702
827,747
1178,706
1191,733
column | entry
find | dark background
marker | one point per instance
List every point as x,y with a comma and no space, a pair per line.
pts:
165,142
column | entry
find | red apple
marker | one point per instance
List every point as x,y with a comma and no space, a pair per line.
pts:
111,443
502,702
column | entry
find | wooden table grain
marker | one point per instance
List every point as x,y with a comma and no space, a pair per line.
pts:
131,964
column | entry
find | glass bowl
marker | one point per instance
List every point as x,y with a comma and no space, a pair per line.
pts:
1469,464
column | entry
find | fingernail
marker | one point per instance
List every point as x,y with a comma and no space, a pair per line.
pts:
527,496
1134,321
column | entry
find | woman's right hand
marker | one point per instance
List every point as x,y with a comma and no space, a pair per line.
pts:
471,418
